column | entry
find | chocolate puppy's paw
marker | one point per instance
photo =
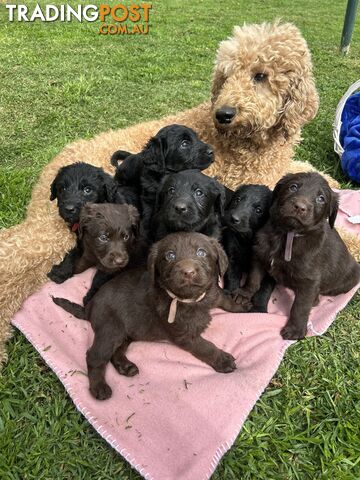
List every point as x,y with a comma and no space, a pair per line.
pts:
101,391
240,295
224,363
127,368
293,332
57,275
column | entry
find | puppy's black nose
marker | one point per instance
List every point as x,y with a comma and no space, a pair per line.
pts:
181,207
300,206
70,208
225,114
209,152
235,218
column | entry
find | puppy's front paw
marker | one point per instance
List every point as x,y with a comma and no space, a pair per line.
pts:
240,295
225,363
293,332
101,391
127,368
57,275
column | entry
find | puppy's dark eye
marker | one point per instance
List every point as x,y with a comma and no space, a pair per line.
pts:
125,237
260,77
293,188
201,252
199,193
63,188
103,238
170,255
87,190
171,190
237,200
184,144
320,199
258,210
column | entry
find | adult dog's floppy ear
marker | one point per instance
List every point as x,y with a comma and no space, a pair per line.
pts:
134,219
300,103
151,262
333,208
153,155
222,258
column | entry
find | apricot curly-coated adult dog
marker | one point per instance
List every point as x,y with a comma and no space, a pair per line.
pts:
262,93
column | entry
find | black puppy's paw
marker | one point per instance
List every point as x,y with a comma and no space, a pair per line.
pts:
101,391
224,363
293,332
57,274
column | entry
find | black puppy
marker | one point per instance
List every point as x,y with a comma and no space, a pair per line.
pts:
188,201
247,211
73,187
174,148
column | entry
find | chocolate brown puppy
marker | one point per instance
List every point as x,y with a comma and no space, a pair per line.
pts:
300,248
168,301
108,233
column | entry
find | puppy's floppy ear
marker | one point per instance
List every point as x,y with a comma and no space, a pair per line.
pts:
279,185
333,208
53,187
222,258
301,102
86,214
220,201
151,262
134,217
110,190
153,155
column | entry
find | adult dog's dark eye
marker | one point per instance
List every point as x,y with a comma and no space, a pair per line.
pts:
171,190
103,238
125,237
199,193
293,188
258,210
170,255
184,144
260,77
87,190
201,252
320,199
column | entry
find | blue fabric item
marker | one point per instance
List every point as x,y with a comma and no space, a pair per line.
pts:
350,137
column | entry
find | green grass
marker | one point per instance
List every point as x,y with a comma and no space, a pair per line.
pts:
60,82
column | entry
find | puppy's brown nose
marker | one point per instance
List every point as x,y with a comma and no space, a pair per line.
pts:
300,206
188,271
119,260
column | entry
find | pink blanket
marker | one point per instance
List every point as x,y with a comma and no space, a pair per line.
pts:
177,418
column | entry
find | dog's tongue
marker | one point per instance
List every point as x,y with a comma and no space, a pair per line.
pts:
288,247
74,227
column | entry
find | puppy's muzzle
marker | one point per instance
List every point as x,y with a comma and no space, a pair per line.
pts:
225,115
181,207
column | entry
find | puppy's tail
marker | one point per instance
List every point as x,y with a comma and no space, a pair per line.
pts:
118,156
74,308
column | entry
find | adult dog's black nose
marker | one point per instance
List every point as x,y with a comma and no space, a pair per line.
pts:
181,207
225,114
70,208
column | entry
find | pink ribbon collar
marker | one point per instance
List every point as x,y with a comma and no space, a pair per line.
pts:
175,299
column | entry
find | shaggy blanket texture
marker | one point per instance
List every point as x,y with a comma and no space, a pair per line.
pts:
177,418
